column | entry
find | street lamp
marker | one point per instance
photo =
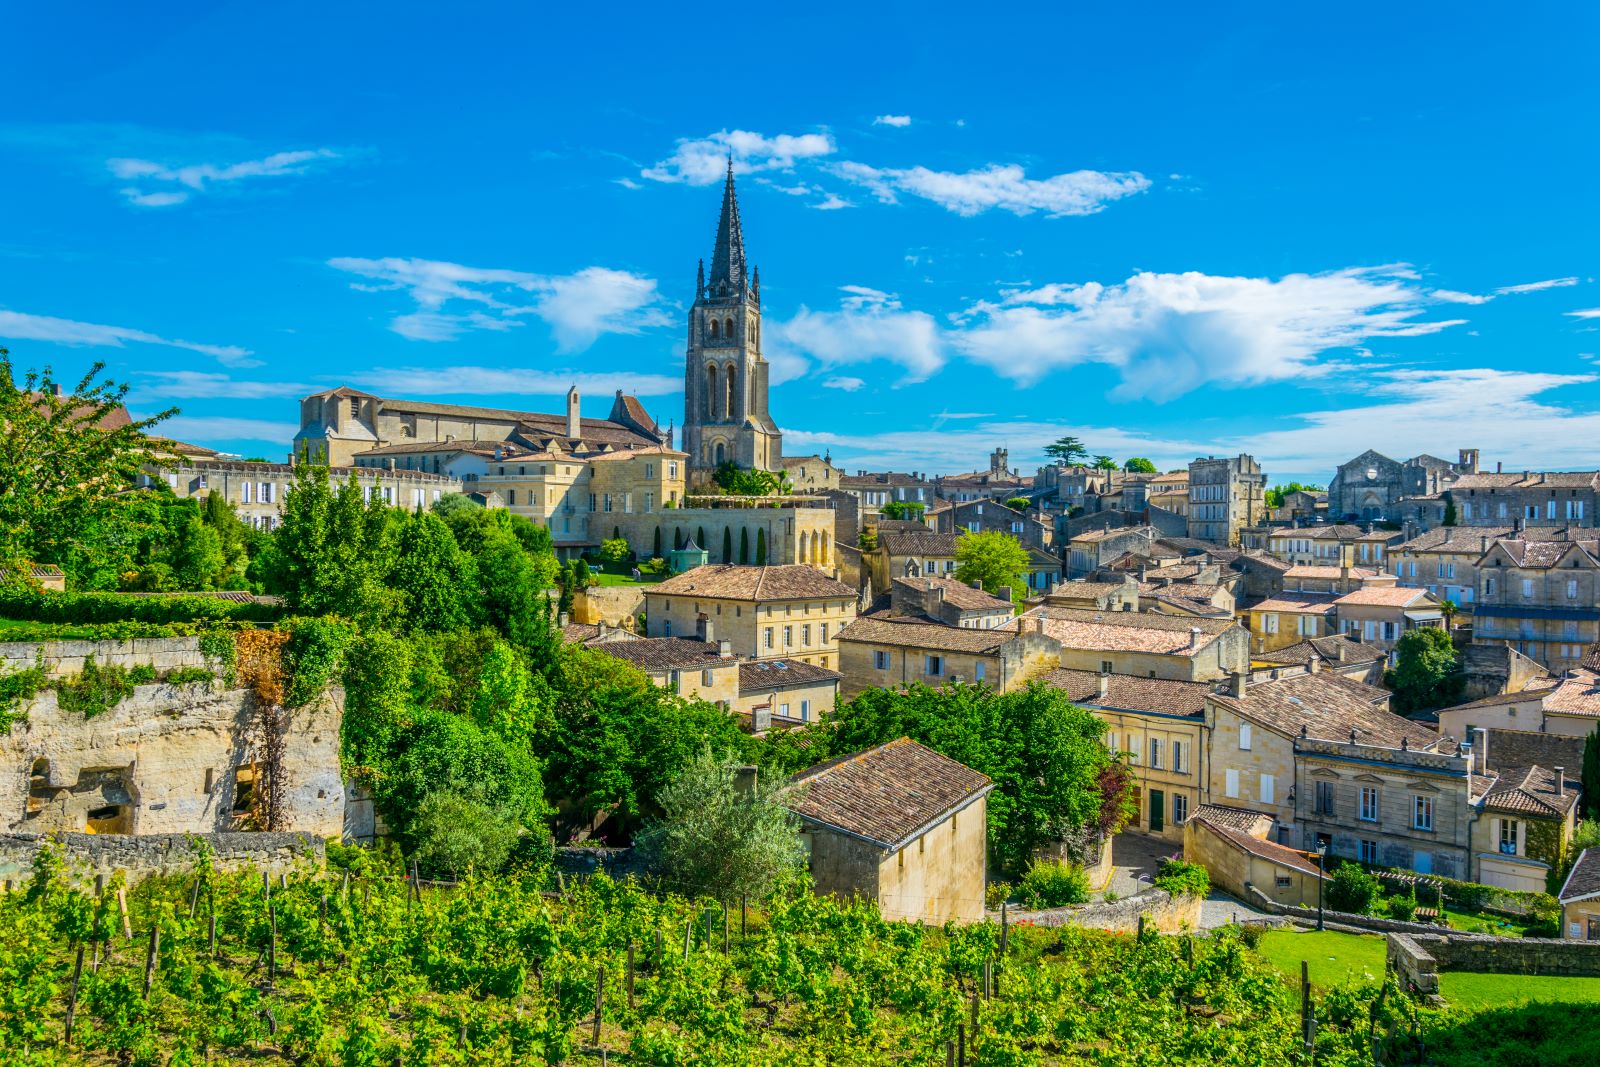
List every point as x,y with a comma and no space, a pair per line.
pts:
1322,856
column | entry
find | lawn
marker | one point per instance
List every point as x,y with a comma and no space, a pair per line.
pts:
1478,991
1334,958
623,579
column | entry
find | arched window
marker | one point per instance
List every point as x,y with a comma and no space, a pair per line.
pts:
721,455
732,410
727,329
713,328
711,392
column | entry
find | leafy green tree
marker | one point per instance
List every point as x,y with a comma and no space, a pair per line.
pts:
64,463
1067,450
1352,890
512,596
436,577
1019,503
761,546
510,698
727,544
198,562
739,481
1426,674
450,504
903,509
378,680
614,550
995,558
455,833
1274,496
1104,463
238,542
721,836
1139,465
332,552
1591,774
1450,515
744,545
656,548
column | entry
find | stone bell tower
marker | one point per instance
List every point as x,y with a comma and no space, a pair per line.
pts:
725,415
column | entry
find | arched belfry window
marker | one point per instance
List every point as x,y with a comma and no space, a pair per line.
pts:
713,327
711,392
733,391
721,454
727,329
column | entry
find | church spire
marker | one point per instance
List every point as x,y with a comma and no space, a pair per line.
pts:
727,260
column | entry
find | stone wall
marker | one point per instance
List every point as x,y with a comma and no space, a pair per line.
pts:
91,855
1419,958
1160,909
1258,899
66,657
614,605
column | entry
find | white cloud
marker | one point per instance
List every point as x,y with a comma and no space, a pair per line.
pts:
578,307
1534,287
968,448
831,202
870,324
892,120
1170,333
199,429
848,385
1585,313
1002,186
198,385
704,160
160,185
19,326
453,381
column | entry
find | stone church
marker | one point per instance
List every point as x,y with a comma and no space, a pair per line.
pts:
1372,486
725,377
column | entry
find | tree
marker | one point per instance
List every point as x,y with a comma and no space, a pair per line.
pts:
614,550
436,577
1019,503
198,562
1450,516
1591,774
656,547
1274,496
512,588
508,703
455,833
64,462
1425,675
761,547
454,504
332,552
1104,463
1352,890
722,836
744,545
727,544
1449,609
903,509
996,559
1067,451
1139,465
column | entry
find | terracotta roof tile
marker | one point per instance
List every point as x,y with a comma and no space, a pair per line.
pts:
1530,791
1529,480
1127,692
666,653
1328,649
911,633
1578,693
1584,880
1125,631
886,795
1329,706
728,581
1234,818
958,594
1388,596
1267,850
782,674
918,543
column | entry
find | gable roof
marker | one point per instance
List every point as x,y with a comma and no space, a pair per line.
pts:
886,796
1530,791
1328,705
1530,480
1227,815
666,653
918,543
1577,693
1584,878
768,674
1128,692
1511,749
1544,553
1282,855
1125,631
731,581
914,633
957,594
1327,649
1387,596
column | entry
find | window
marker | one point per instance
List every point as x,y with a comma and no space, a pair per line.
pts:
649,470
1527,587
244,493
1269,623
1488,587
1422,813
933,666
705,677
511,498
666,628
1244,739
1105,666
1180,807
1269,789
880,658
1572,589
1180,760
788,636
1155,753
1284,881
1325,798
783,710
824,633
1369,851
977,671
649,503
1230,783
1368,811
766,637
805,711
672,469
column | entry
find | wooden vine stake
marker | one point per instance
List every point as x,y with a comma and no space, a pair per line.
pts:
1005,927
988,977
122,910
688,932
724,927
599,1001
961,1044
272,943
744,918
630,975
949,1054
150,959
72,994
194,896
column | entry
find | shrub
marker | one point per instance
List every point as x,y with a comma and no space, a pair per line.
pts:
1054,884
996,894
457,834
1403,908
614,550
1352,890
95,689
16,689
189,676
653,565
32,605
141,674
1183,879
1251,934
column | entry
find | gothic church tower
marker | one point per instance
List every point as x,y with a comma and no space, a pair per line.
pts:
725,378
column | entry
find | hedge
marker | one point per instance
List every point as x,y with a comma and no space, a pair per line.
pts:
32,605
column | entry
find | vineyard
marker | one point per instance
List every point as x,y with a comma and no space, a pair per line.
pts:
335,968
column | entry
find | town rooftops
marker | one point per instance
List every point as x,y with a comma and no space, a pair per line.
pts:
886,796
729,581
918,543
1464,539
1292,603
1334,649
782,674
1531,791
913,633
957,594
1529,480
1128,692
652,654
1328,706
1545,553
1101,534
1083,590
1125,631
1583,880
1577,693
1312,570
1386,596
1339,531
1282,855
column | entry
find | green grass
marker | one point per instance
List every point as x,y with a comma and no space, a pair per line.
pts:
63,632
1471,923
624,579
1334,958
1479,991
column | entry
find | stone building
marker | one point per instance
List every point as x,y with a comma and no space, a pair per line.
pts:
1580,898
1158,726
699,669
997,483
773,612
989,516
951,603
725,378
1537,498
786,692
1232,845
1444,560
1341,653
1143,643
889,652
1373,487
1327,544
812,474
900,825
257,490
1541,597
1565,707
1092,550
1225,495
924,553
1169,492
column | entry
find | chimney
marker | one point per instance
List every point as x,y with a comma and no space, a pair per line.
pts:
1003,593
602,631
724,649
1480,751
1352,735
703,627
745,778
574,422
1314,664
1498,468
977,583
1104,686
55,390
562,619
1236,684
1194,636
1449,532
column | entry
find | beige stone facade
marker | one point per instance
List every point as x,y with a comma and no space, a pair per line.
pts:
1542,597
1569,707
1144,644
887,653
778,612
257,491
1225,495
1231,845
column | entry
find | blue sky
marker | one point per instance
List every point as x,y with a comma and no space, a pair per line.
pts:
1169,231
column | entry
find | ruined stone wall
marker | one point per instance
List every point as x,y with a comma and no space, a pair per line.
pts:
90,855
1162,911
62,658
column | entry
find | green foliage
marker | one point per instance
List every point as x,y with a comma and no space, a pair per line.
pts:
1019,503
451,504
1104,463
189,676
727,544
1352,890
1139,465
903,509
16,689
1403,908
20,602
1067,450
761,547
1590,774
744,545
718,837
511,702
996,559
1053,884
1426,675
458,834
435,576
218,647
1451,516
333,552
1181,878
996,894
378,685
737,481
95,689
1274,496
313,657
614,550
1045,755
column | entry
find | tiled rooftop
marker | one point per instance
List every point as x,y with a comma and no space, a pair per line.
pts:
886,795
1328,705
728,581
911,633
1125,631
1129,692
782,674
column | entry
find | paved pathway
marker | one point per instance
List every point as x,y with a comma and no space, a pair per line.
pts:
1135,858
